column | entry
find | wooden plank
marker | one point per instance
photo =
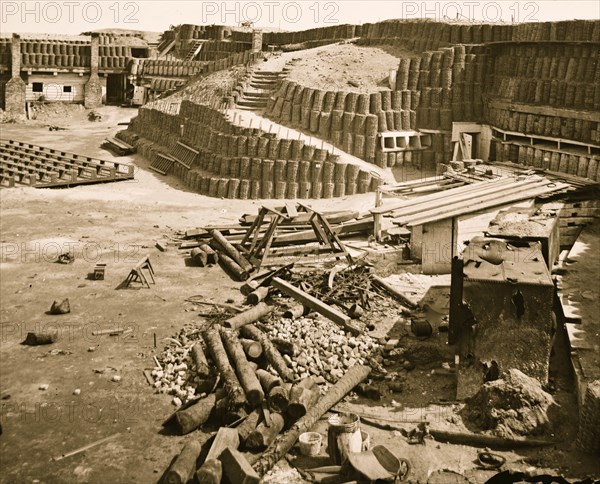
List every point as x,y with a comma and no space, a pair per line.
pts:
459,192
310,301
523,192
291,210
593,116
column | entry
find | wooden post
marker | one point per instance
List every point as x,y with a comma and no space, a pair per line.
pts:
258,295
199,358
249,316
267,380
233,267
274,357
252,348
212,256
248,425
281,446
312,302
182,469
192,417
246,375
210,472
263,435
237,469
296,311
231,250
302,396
219,357
199,257
279,397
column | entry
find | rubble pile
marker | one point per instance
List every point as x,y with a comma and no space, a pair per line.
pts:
513,406
175,376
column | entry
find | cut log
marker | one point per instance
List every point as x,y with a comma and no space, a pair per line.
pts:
233,267
267,380
192,417
279,397
210,471
273,356
249,316
227,415
394,292
296,311
283,444
199,358
199,257
231,251
232,385
252,348
246,374
285,347
237,469
303,396
263,435
258,295
182,469
248,425
248,287
315,304
211,254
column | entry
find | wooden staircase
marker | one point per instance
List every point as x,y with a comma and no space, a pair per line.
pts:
195,48
258,90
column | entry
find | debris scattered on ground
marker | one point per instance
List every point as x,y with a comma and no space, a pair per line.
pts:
34,339
94,116
513,406
62,307
66,258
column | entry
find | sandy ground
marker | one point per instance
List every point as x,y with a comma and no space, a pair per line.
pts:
331,67
116,224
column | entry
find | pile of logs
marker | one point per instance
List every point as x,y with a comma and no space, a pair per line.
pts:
248,385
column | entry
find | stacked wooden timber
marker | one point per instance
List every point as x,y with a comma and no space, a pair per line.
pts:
253,402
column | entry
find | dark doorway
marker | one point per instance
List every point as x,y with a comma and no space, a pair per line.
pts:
115,88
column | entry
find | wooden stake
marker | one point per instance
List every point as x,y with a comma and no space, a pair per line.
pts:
182,469
279,397
246,375
248,425
199,358
264,435
249,316
302,396
274,357
219,357
211,471
281,446
237,469
252,348
267,380
190,418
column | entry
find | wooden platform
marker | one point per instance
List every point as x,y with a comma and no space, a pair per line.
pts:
26,164
120,148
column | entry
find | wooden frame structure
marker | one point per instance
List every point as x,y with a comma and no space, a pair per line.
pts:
137,273
41,167
257,245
